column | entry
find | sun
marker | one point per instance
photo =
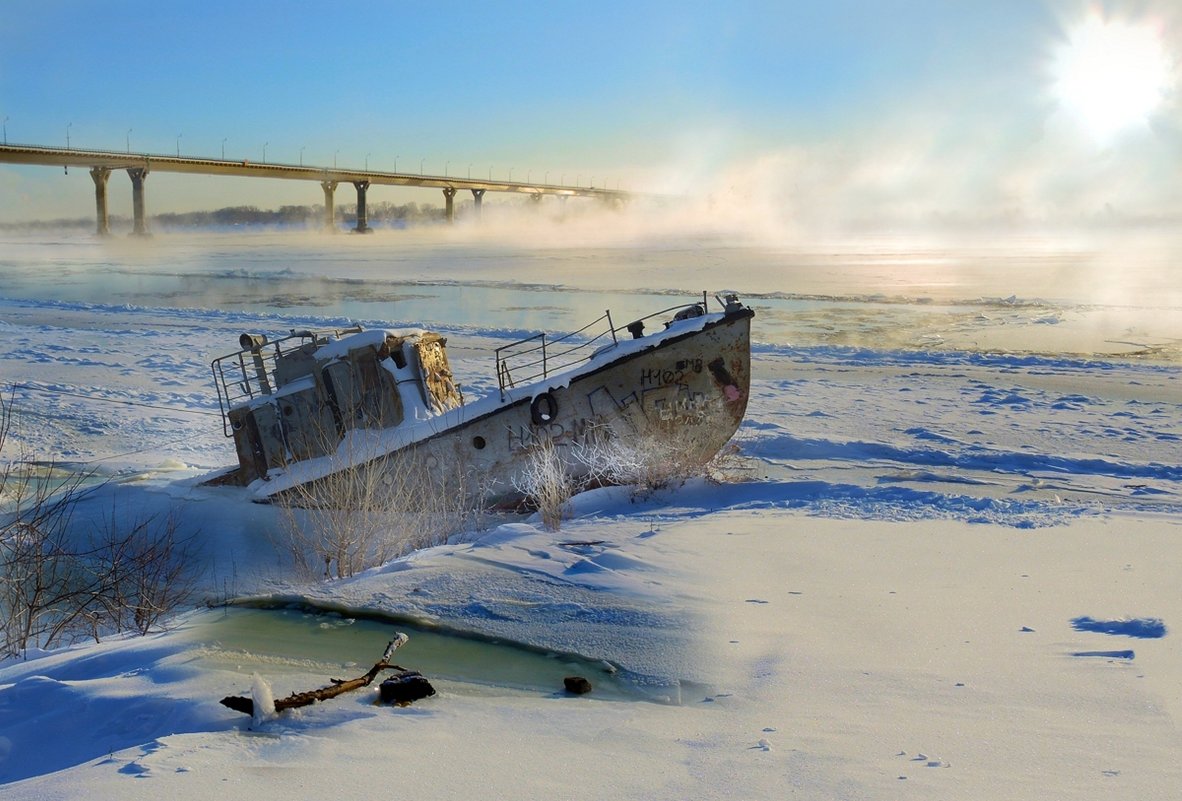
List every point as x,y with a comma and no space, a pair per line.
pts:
1111,75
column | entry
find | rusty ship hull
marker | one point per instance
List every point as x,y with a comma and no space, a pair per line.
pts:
682,392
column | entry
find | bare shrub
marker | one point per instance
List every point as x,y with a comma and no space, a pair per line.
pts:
556,472
145,571
651,462
61,579
365,515
44,588
45,592
547,482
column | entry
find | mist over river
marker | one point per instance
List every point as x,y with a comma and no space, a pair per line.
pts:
1019,296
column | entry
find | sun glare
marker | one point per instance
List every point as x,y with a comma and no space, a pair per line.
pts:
1110,74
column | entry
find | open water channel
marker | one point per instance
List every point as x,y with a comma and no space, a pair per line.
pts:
300,649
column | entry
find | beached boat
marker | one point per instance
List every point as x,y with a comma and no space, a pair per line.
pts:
312,405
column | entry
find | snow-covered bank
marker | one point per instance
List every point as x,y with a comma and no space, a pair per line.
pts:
840,658
827,632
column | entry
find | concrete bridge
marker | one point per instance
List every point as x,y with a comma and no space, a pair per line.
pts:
139,165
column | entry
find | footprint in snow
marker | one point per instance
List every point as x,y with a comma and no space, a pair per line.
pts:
929,762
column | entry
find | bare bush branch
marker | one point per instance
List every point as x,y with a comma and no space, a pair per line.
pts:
556,472
62,579
361,516
547,482
145,571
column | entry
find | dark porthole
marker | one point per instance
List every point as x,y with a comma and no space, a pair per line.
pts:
478,443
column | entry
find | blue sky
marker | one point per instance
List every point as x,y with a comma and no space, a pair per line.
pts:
633,93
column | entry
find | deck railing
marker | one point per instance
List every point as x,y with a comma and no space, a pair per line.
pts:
537,357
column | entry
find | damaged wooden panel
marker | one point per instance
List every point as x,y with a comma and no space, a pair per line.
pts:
440,390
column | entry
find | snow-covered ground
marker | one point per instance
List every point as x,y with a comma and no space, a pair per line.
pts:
949,456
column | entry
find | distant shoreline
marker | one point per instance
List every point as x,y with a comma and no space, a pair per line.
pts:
379,215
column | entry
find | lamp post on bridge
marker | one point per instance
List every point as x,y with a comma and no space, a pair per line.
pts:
446,165
510,175
469,170
334,159
302,155
265,151
129,140
178,145
395,162
224,147
421,166
6,130
367,162
68,126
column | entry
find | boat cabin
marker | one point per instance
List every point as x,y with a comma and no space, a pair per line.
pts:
295,398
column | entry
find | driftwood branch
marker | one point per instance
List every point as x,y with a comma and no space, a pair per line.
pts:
335,688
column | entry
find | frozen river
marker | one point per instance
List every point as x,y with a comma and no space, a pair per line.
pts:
989,298
108,341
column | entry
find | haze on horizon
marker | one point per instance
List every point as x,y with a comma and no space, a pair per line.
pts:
854,117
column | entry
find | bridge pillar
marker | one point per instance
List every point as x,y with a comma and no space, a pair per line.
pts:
138,176
330,212
478,198
536,199
362,217
449,201
100,176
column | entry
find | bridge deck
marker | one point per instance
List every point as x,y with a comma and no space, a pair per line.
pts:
154,162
